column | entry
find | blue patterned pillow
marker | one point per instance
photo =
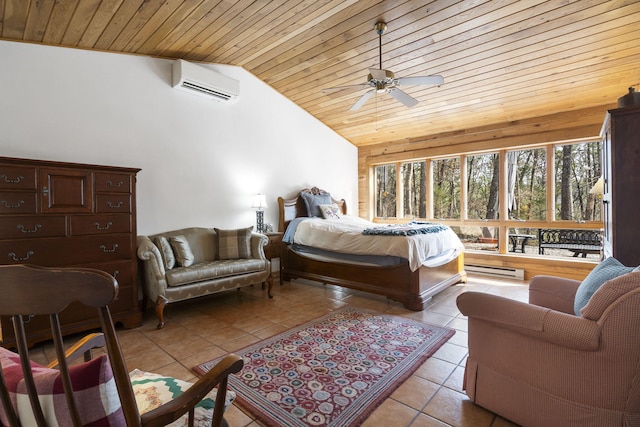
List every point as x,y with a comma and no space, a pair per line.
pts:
608,269
313,202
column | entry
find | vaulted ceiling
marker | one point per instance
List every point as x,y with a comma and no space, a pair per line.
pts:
502,60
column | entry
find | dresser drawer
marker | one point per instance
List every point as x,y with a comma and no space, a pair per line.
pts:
122,271
32,227
17,202
17,177
106,203
100,224
66,251
113,182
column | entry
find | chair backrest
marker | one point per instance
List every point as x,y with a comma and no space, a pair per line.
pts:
31,290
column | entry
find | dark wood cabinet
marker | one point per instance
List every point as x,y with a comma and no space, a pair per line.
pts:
65,214
621,173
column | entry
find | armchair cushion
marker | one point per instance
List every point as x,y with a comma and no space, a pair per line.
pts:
234,244
154,390
182,250
608,269
556,293
95,391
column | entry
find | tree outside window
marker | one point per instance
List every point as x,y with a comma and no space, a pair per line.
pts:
483,176
526,184
446,188
578,167
414,186
385,178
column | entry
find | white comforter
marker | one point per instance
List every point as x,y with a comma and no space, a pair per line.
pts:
345,235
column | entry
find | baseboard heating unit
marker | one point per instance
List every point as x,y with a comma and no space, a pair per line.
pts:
516,273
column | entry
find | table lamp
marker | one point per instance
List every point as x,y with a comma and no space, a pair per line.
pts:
259,203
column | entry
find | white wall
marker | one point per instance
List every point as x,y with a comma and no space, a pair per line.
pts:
201,160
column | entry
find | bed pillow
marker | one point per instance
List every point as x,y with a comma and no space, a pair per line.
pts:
154,390
313,202
182,250
608,269
234,244
95,392
330,211
168,259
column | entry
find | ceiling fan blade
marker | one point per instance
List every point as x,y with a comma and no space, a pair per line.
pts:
360,102
420,80
402,97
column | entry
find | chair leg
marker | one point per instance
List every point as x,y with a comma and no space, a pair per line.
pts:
161,303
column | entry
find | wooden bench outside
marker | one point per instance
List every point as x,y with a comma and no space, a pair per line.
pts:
577,241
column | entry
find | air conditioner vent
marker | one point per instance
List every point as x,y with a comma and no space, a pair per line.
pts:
206,90
204,82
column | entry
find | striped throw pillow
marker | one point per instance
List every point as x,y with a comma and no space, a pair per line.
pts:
234,244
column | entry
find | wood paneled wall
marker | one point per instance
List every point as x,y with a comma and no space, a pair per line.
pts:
573,125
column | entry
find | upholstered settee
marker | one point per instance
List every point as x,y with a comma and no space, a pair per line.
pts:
541,364
192,262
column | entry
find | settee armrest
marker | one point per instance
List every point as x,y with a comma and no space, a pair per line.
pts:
258,242
556,293
530,320
149,253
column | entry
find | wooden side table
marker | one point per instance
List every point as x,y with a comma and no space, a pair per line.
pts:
272,250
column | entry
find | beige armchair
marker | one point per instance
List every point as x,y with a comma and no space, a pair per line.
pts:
539,364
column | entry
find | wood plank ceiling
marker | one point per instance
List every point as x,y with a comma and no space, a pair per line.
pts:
502,60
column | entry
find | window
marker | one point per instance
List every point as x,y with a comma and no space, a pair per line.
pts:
483,196
526,184
577,170
385,176
446,188
414,186
483,172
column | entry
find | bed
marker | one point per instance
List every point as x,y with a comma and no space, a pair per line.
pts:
391,275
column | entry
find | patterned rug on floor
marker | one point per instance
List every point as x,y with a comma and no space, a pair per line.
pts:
331,371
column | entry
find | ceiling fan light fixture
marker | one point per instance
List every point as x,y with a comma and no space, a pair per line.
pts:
384,81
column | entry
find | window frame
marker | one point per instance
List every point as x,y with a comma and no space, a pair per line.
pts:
503,223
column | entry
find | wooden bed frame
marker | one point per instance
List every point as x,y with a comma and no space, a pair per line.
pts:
413,289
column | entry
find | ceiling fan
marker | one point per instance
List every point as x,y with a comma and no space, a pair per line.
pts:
384,81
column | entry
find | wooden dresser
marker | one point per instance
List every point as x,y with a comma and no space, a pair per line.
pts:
65,214
621,173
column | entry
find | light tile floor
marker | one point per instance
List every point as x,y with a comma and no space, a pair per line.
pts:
203,329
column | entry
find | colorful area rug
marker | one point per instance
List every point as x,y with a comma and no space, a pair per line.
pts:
332,371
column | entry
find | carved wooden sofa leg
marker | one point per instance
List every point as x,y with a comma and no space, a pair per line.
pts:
161,303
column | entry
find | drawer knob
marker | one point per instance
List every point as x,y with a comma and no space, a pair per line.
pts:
112,185
14,257
106,226
104,249
15,180
33,230
114,205
6,204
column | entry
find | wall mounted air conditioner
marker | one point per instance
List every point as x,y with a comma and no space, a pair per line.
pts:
204,82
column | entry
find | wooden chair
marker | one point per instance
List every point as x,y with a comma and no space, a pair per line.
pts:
30,290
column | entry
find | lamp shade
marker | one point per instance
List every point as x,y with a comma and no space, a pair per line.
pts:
259,201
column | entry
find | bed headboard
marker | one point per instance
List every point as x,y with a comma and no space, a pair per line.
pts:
295,207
